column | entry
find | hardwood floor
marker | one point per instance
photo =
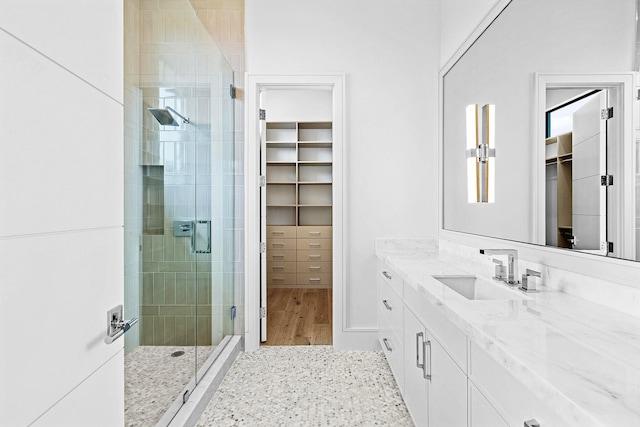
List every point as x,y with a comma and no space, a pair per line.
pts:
299,316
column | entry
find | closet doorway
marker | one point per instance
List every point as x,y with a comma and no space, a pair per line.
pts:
296,169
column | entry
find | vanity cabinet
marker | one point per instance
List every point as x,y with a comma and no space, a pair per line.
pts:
481,412
390,309
435,386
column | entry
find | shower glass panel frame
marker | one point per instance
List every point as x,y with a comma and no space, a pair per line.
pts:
179,202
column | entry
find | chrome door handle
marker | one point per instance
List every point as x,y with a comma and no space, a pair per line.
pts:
386,344
195,248
116,325
387,275
386,304
418,364
531,423
426,366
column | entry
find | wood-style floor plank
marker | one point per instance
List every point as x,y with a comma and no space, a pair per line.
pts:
299,316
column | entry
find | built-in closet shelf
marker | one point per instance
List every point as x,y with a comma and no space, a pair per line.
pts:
559,152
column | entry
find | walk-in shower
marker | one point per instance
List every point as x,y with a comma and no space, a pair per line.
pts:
180,218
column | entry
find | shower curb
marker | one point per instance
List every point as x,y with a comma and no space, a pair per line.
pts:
190,412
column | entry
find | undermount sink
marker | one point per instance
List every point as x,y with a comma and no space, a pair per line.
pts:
473,288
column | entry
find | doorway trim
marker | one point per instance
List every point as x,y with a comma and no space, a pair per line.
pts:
254,84
621,84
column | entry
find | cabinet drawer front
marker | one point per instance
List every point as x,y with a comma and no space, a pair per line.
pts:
280,255
390,303
515,402
315,244
481,413
391,277
315,267
307,255
281,278
314,279
392,348
281,267
281,232
314,232
288,244
450,336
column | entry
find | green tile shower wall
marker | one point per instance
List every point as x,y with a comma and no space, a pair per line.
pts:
171,279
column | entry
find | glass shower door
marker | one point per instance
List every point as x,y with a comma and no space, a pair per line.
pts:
178,209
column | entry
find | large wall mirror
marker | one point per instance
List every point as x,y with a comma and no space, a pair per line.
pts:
560,74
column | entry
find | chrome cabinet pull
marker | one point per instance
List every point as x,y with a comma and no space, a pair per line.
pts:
387,275
314,245
277,232
386,304
277,244
314,256
419,365
277,267
531,423
386,344
314,279
426,366
314,233
314,268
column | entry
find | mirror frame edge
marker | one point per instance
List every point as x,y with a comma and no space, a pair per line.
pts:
601,267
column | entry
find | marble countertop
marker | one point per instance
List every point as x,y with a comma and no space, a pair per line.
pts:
580,357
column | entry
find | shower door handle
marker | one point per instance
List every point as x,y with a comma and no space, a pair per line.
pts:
201,237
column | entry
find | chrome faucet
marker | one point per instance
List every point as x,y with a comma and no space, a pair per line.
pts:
512,263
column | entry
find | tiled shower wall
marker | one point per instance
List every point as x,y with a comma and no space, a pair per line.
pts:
179,66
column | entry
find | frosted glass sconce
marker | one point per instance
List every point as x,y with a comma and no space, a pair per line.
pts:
481,153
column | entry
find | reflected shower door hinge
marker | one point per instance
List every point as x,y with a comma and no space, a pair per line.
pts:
263,181
263,312
606,113
263,248
232,91
233,312
263,114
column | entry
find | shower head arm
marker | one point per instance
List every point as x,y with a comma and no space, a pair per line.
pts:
184,119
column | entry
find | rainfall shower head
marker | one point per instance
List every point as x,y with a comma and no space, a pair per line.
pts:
165,118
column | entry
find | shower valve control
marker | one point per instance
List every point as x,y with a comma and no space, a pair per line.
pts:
182,228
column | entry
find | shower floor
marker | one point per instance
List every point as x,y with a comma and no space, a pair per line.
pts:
153,380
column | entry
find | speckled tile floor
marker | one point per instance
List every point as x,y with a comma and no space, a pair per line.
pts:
307,386
153,379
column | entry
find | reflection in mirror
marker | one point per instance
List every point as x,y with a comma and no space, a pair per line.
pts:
575,161
528,39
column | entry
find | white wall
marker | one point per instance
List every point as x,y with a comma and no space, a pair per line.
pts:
390,54
61,239
458,19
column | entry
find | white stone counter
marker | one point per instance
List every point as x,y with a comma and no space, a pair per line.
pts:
580,357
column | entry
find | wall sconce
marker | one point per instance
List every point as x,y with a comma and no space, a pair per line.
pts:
481,153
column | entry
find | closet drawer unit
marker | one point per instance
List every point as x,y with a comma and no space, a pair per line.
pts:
286,244
315,267
514,401
315,232
275,279
314,244
280,255
390,303
308,255
281,267
314,279
281,232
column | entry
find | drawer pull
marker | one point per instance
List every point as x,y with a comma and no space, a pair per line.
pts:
315,245
314,256
386,344
278,278
386,304
531,423
278,256
281,233
426,373
314,279
277,267
314,233
387,275
277,245
419,336
314,268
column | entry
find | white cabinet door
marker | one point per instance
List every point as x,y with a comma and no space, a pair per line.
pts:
481,413
447,388
415,384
